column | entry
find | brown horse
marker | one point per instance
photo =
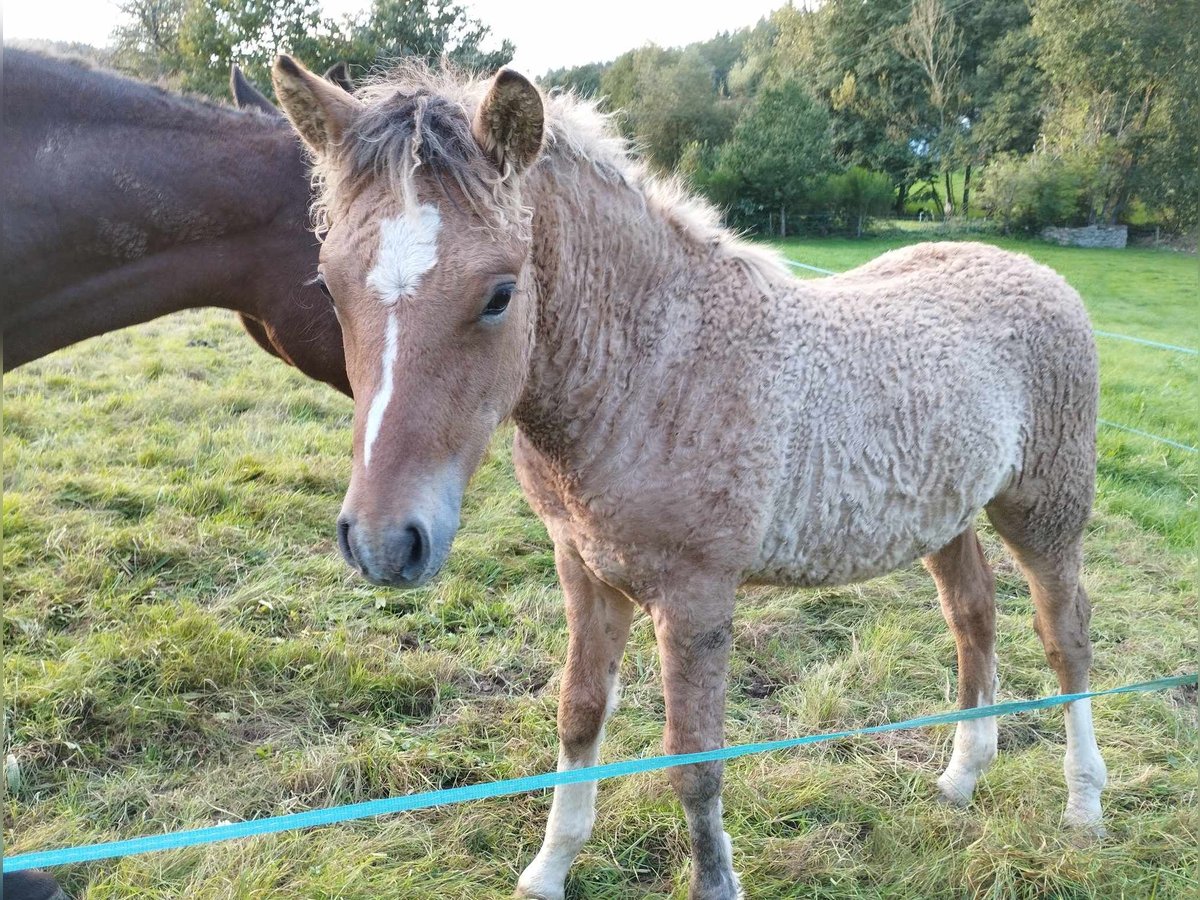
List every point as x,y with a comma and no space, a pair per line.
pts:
689,416
124,202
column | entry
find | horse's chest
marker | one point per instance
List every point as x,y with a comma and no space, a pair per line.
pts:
638,531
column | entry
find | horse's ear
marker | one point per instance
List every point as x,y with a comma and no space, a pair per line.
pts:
247,96
321,112
510,122
339,74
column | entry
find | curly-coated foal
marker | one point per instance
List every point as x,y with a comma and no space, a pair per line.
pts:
689,417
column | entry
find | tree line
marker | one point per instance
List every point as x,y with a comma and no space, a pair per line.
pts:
190,44
819,117
1031,112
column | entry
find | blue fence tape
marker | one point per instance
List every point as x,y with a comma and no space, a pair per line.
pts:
1146,434
800,265
1137,340
369,808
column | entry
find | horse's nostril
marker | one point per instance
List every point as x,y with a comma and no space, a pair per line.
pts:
343,531
418,552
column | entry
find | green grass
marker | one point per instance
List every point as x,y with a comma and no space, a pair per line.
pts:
184,647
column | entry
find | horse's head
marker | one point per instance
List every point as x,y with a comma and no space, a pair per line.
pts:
426,238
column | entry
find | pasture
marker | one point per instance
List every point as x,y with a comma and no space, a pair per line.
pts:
184,646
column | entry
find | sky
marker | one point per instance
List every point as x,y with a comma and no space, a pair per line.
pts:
548,33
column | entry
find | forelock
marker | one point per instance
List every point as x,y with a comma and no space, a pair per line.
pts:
415,121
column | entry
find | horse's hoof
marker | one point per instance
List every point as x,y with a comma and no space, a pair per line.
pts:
31,884
530,889
951,792
1087,825
1084,815
1082,837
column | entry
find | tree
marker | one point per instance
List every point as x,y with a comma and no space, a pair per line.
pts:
677,104
620,81
911,114
430,29
779,149
146,44
1028,193
583,80
192,43
214,34
933,41
857,195
1123,79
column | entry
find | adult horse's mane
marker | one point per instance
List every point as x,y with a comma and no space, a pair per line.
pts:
415,116
140,100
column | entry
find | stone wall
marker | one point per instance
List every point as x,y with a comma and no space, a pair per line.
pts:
1089,236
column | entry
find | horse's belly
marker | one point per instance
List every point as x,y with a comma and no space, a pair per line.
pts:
833,525
854,554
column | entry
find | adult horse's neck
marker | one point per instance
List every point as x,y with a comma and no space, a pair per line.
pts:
617,269
124,203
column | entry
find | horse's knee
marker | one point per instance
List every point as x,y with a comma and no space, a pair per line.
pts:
582,712
698,784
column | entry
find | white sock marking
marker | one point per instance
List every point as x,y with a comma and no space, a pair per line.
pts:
383,395
1083,766
974,750
572,813
407,250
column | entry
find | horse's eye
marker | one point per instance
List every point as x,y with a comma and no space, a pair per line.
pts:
320,282
499,300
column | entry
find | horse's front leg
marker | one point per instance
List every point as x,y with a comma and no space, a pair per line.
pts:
598,620
694,639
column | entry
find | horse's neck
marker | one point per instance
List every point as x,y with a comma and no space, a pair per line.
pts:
190,215
609,270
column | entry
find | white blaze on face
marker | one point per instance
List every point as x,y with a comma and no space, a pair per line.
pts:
407,250
383,396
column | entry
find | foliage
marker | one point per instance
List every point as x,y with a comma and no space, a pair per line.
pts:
777,153
1124,75
193,42
668,99
1028,193
674,104
184,645
583,80
214,34
429,29
927,92
857,194
146,42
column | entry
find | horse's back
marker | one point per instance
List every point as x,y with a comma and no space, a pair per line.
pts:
920,387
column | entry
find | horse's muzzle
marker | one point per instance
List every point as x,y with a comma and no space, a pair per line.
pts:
403,555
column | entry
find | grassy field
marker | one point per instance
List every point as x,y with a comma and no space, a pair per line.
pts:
183,646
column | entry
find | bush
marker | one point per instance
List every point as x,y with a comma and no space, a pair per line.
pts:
857,195
1029,193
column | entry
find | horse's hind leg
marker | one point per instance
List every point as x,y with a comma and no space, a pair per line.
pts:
967,593
1046,539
